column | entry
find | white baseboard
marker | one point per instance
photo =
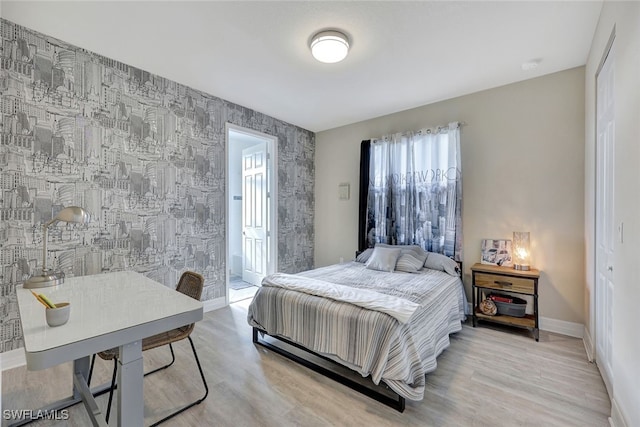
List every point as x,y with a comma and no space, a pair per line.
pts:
588,344
617,417
562,327
12,359
214,304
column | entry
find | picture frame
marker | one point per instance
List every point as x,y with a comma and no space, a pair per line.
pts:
497,252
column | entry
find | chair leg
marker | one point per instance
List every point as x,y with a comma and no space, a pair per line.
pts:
113,387
173,359
93,361
204,382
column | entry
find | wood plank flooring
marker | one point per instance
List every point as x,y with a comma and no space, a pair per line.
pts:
486,377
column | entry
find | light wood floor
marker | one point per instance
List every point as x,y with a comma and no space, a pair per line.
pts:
486,377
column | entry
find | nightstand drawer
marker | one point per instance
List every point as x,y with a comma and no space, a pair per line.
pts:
505,283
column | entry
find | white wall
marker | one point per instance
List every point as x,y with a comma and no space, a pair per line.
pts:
522,165
625,17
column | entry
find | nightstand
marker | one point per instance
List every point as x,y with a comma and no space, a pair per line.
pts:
487,278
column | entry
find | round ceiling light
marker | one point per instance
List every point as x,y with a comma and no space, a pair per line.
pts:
329,46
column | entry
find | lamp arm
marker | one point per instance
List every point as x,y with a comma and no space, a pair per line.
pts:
51,222
44,245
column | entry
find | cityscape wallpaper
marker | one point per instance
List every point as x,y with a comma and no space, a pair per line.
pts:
146,157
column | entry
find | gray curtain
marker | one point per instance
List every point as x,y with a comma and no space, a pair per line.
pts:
415,190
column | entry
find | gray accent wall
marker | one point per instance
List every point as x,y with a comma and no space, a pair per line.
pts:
145,155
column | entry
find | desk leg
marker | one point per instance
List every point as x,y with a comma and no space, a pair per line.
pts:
81,368
81,393
130,376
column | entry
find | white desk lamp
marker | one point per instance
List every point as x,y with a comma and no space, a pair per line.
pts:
73,214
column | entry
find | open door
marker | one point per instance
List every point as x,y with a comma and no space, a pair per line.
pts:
254,214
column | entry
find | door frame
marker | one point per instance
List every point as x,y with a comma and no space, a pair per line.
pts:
593,303
272,167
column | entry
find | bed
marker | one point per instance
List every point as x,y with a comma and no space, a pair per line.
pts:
390,326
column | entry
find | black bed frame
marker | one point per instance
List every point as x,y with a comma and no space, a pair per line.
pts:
397,403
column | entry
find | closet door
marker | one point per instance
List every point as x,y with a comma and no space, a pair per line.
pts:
605,227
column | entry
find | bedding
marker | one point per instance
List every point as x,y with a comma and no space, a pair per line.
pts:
368,341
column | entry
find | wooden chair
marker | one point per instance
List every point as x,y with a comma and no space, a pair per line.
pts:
190,284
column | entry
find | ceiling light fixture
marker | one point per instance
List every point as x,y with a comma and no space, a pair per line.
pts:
329,46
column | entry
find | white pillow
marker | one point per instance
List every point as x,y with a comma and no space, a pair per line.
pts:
442,263
383,259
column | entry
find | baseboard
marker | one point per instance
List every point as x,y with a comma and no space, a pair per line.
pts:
588,344
617,417
562,327
214,304
12,359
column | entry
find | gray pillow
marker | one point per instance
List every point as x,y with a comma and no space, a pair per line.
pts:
442,263
364,255
409,263
383,259
416,251
412,257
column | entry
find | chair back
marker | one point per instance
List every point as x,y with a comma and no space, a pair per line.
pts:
191,284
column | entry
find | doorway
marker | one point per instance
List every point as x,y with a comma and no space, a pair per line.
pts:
605,236
251,207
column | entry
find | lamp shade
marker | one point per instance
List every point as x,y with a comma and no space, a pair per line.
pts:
74,214
521,251
329,46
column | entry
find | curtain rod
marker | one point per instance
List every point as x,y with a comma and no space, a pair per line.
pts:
430,130
439,128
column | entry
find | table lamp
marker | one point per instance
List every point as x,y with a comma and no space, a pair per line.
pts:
521,252
73,214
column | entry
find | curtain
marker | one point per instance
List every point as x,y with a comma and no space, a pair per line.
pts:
415,190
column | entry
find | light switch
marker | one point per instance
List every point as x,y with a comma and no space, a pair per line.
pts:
343,191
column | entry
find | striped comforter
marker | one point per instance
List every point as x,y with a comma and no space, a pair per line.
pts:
367,341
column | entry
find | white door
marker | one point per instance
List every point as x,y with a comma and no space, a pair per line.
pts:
605,228
254,214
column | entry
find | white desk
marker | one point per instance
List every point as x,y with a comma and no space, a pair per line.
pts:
107,310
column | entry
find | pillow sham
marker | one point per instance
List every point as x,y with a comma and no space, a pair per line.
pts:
383,259
364,255
414,250
442,263
409,263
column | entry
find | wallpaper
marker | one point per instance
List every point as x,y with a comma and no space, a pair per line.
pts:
145,155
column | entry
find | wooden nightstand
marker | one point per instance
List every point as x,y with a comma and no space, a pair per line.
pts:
491,277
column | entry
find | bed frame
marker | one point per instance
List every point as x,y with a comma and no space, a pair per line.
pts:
397,402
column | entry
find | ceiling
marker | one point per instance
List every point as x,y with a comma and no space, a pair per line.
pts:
256,54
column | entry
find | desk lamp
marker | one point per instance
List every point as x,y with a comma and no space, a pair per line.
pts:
73,214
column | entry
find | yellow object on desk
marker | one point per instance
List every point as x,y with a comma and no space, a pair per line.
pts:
44,300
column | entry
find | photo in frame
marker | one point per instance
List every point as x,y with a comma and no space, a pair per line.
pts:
496,252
